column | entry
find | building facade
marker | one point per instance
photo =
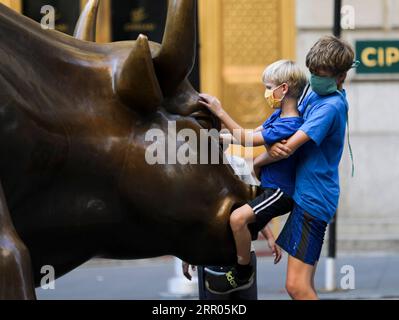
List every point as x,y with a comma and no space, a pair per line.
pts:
239,38
368,216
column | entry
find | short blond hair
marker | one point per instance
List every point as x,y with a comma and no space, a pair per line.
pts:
330,54
286,71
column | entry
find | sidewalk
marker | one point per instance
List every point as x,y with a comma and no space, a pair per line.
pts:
376,277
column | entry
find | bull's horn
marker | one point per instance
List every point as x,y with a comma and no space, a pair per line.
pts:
86,26
136,82
176,57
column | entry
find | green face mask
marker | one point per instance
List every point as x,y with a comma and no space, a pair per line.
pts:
323,86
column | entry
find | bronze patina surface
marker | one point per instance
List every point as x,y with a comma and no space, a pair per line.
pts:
73,120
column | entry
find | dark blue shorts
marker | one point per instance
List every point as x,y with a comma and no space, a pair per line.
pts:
271,203
302,236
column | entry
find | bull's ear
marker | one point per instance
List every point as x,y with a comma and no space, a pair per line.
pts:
176,58
86,26
136,82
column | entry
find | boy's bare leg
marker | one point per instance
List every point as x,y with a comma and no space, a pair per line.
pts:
300,280
313,276
241,276
239,221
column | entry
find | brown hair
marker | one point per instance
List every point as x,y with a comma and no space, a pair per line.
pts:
330,54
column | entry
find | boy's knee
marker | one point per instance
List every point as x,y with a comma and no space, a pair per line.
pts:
298,290
291,287
237,220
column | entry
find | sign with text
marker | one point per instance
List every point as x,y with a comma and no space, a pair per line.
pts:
132,17
378,56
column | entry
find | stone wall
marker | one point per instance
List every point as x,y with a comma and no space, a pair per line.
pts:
368,216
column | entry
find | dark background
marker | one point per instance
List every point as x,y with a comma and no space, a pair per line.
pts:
129,18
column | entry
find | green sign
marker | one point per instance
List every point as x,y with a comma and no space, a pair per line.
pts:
378,56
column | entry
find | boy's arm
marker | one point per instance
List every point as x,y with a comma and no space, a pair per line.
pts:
228,138
241,135
260,161
260,128
268,234
315,128
282,150
244,137
263,160
286,148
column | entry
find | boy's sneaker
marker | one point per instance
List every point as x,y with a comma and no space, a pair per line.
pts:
228,282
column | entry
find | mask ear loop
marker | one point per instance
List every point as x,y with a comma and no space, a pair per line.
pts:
355,64
276,89
284,94
348,134
349,145
272,90
303,97
304,94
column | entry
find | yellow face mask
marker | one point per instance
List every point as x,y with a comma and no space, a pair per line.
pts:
271,101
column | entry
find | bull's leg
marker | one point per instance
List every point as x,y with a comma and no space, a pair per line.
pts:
16,280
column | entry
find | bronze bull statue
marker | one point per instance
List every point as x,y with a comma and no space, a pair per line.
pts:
74,182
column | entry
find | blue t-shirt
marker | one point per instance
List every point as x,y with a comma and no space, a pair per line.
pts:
317,179
280,174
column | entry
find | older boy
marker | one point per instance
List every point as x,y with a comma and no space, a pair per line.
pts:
322,137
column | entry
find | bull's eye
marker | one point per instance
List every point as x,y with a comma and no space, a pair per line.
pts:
204,120
207,120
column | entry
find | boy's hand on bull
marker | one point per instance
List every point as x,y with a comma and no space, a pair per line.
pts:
212,103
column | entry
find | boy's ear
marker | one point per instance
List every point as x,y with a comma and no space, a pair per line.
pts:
285,88
341,78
